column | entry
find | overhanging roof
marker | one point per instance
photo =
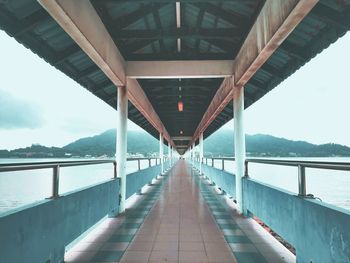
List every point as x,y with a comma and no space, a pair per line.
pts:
147,31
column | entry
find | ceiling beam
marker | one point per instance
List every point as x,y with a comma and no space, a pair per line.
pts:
181,138
179,69
81,21
174,33
267,34
172,1
179,56
276,20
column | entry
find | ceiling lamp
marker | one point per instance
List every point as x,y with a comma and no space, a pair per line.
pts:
180,106
181,132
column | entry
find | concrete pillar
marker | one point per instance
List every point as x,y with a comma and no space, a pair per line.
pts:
122,128
161,152
169,154
193,151
201,153
239,135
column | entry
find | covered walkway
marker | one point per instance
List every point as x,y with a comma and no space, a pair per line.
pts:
181,218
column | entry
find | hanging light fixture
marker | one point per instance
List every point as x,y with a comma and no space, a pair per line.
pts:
180,105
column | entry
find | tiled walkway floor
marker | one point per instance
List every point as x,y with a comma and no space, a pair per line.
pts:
181,220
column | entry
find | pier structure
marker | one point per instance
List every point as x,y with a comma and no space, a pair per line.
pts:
180,70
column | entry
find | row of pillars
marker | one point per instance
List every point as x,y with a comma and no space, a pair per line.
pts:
121,147
239,148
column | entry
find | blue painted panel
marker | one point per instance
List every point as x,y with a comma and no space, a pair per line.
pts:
39,232
226,181
135,181
319,232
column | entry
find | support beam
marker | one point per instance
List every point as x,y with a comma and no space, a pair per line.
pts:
277,19
239,135
122,128
181,147
161,153
179,69
174,33
268,34
80,20
181,138
221,98
139,99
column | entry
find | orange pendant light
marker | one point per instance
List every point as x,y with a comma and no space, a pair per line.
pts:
180,106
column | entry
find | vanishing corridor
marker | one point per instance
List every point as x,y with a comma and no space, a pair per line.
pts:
179,219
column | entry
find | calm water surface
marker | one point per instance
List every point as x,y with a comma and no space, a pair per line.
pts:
24,187
330,186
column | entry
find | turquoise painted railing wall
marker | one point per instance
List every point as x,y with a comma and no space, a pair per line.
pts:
40,232
135,181
223,179
320,232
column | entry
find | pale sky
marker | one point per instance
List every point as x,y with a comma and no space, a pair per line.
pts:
39,104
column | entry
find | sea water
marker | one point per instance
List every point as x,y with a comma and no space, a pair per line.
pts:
25,187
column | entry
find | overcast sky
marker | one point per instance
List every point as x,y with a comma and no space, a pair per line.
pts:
39,104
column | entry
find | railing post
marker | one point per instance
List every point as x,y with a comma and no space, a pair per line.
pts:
149,162
246,174
301,180
138,164
55,181
223,164
114,170
212,162
206,161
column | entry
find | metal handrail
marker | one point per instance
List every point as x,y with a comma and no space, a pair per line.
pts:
301,165
56,165
307,164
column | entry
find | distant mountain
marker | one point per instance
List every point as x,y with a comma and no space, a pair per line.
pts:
105,143
220,143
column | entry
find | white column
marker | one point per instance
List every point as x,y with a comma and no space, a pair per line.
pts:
161,152
201,153
169,153
238,111
122,128
193,151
